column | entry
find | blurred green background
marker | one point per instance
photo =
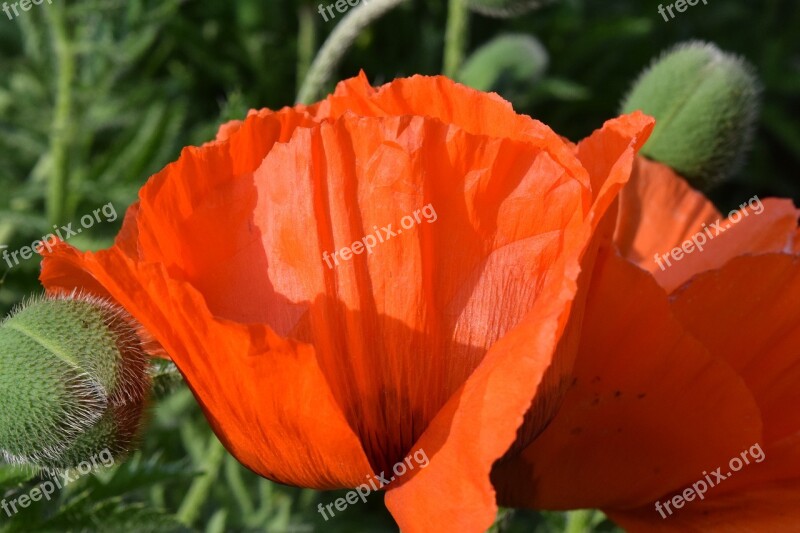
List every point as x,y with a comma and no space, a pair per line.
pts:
97,95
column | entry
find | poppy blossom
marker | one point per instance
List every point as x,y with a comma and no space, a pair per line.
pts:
322,358
679,371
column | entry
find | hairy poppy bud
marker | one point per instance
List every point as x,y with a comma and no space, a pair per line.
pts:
73,381
507,64
705,103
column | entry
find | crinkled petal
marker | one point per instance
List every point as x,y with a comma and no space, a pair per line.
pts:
480,422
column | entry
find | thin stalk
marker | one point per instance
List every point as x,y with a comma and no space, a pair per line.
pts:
306,40
58,183
455,37
337,44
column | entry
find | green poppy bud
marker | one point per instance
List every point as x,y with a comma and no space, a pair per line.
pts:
508,64
74,380
705,103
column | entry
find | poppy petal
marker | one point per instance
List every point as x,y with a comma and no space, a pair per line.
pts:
478,424
442,99
747,313
641,386
302,434
769,507
768,232
659,212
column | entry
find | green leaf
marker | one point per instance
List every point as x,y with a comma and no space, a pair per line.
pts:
112,516
137,473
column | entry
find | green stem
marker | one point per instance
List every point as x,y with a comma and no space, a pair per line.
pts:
60,134
455,38
337,44
306,40
201,486
580,521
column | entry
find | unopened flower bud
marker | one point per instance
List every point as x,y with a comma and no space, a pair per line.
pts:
705,103
74,381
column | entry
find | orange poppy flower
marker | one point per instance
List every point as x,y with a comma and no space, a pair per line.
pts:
322,357
681,371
